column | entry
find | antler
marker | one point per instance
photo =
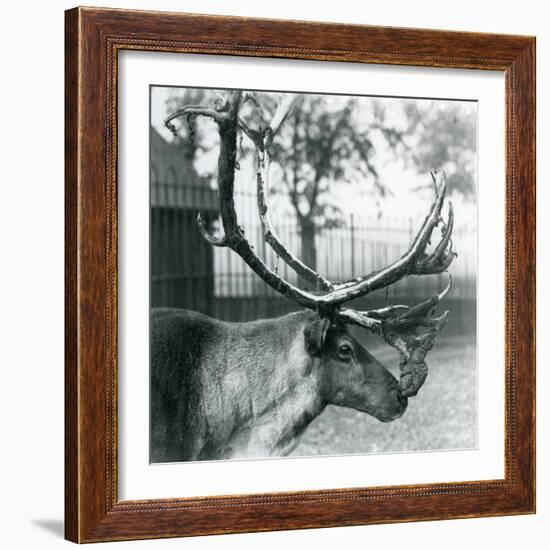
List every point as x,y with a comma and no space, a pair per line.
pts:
397,325
416,261
263,141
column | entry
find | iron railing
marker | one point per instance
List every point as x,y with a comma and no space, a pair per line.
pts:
187,272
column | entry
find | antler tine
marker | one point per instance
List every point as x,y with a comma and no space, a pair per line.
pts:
271,237
270,234
284,108
262,141
414,262
212,239
396,315
397,326
234,235
193,110
411,315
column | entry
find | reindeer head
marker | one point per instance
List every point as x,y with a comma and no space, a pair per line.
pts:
349,375
411,330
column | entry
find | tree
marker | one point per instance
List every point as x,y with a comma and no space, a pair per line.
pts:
328,141
444,138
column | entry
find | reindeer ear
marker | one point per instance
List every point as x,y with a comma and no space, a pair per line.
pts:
315,334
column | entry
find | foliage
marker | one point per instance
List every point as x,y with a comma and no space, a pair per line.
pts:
445,139
326,142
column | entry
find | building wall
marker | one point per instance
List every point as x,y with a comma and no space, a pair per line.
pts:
182,273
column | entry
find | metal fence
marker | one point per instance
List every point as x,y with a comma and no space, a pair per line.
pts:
187,272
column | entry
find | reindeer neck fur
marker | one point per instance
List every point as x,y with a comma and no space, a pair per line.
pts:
270,391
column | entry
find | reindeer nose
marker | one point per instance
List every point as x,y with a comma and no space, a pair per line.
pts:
398,407
395,410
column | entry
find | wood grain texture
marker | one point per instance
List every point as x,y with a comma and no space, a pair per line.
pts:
71,287
93,38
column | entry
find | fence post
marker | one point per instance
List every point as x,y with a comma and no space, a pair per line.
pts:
352,235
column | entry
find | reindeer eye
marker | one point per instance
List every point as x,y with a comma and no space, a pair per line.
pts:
345,351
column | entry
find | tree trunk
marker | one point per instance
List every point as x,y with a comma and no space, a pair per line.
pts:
309,252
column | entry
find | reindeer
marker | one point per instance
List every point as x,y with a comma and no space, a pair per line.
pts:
235,390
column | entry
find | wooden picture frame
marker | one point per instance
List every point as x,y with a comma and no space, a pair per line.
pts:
93,511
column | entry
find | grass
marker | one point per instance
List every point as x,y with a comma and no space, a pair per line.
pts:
442,416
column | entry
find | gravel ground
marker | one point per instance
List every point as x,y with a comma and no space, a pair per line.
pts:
442,416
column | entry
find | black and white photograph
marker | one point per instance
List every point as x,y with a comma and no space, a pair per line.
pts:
274,275
313,274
